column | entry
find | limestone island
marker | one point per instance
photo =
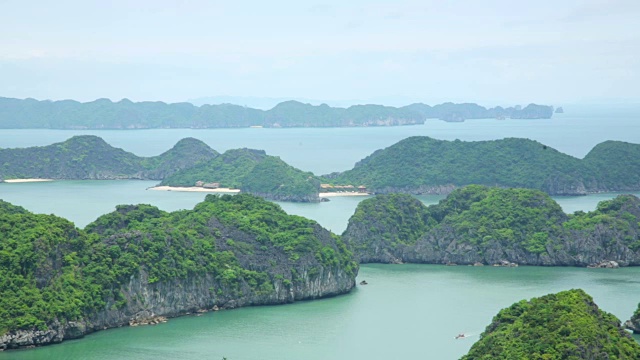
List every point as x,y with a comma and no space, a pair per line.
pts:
140,265
125,114
566,325
423,165
479,225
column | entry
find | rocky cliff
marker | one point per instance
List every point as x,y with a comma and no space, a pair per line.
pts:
633,324
566,325
139,264
487,226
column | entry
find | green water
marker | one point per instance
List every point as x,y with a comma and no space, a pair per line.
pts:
406,311
83,201
325,150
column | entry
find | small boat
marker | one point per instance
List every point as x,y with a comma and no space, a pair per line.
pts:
364,282
460,336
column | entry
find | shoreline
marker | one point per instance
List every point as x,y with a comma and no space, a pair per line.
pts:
194,189
235,191
14,181
342,193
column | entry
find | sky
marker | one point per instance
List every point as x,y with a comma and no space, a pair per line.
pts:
490,52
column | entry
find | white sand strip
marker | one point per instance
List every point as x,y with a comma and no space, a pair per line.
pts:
344,193
26,180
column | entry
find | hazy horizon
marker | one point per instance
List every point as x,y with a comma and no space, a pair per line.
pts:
490,53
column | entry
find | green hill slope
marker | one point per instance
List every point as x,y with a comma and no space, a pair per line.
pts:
252,171
138,263
483,225
566,325
90,157
422,165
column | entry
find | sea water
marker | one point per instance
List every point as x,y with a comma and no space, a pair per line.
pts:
406,311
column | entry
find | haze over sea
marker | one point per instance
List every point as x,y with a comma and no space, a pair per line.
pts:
406,311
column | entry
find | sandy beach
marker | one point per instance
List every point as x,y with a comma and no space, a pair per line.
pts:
26,180
195,189
342,193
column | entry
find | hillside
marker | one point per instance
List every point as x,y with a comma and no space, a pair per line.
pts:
422,165
124,114
138,263
254,172
90,157
486,226
566,325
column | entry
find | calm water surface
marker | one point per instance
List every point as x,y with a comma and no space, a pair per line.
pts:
325,150
407,311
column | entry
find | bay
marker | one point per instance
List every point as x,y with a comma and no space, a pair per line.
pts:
325,150
407,311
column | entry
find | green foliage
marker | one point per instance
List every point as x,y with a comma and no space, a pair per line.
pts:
51,270
90,157
398,218
252,171
510,216
41,270
416,163
566,325
621,214
481,216
104,114
616,164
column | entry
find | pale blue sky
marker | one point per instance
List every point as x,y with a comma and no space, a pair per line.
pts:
490,52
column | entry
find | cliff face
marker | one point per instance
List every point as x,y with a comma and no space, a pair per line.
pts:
160,270
633,324
478,225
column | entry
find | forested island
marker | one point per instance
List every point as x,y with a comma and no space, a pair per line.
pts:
88,157
423,165
566,325
189,163
139,264
254,172
479,225
416,165
125,114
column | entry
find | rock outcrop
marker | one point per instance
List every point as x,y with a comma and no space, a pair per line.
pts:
480,225
163,265
566,325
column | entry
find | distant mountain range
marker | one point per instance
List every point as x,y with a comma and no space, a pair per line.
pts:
125,114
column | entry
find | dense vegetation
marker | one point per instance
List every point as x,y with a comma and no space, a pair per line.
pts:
426,165
90,157
105,114
487,225
566,325
252,171
51,271
617,165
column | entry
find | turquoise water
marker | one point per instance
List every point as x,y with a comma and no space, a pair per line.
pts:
325,150
407,311
83,201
